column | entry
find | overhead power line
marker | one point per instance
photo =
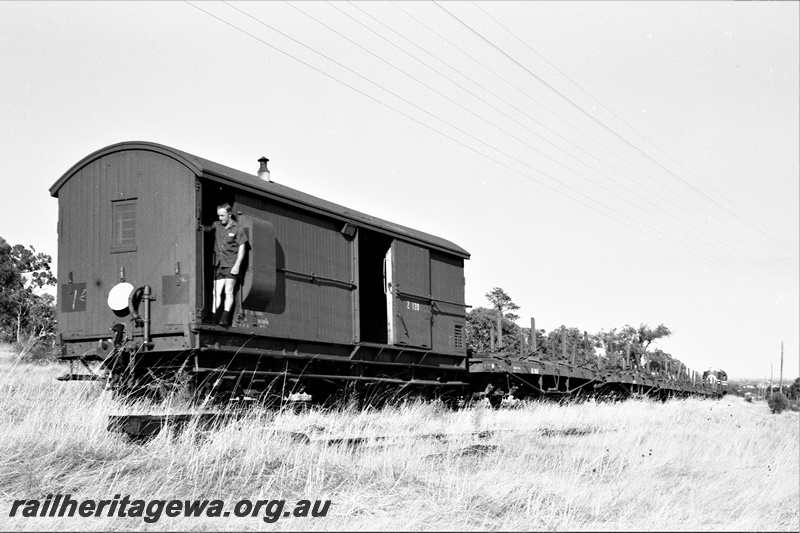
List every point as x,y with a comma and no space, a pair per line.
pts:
791,248
709,243
614,133
450,137
759,243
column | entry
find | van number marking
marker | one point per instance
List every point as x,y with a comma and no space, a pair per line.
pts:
73,297
412,305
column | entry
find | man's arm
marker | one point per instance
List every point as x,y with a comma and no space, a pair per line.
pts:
239,259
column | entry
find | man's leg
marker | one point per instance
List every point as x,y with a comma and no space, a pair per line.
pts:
219,286
230,284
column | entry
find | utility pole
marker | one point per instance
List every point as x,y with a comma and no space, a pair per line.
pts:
780,383
770,380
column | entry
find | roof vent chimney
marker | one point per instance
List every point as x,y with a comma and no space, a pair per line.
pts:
263,171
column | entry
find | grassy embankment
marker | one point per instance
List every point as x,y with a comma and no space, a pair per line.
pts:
638,465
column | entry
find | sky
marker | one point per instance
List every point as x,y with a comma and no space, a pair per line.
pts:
605,163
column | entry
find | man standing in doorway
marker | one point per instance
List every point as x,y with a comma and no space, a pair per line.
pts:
229,249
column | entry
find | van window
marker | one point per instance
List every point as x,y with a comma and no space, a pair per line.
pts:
123,214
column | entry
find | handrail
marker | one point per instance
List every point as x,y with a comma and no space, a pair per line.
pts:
314,277
429,298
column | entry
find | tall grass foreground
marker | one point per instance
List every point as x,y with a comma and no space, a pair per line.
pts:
715,465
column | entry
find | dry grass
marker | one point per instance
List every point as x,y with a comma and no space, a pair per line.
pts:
682,465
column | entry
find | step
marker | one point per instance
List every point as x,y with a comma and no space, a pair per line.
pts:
84,357
78,377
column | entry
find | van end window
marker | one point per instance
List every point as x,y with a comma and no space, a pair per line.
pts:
123,213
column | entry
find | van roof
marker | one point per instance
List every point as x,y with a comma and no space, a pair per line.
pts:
221,173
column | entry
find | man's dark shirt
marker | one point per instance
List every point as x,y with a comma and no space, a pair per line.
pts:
227,242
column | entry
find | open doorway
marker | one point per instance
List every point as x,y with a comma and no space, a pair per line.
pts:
372,248
213,194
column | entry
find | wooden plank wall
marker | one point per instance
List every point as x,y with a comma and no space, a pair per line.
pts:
165,235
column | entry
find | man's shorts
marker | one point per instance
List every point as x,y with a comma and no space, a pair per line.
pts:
224,272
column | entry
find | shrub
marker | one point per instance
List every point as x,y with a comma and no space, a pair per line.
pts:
778,402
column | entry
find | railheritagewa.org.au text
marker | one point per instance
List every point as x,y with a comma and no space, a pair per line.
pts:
152,510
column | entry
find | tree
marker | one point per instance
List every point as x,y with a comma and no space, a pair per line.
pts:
481,321
777,402
658,360
793,392
644,334
502,303
552,344
640,339
25,307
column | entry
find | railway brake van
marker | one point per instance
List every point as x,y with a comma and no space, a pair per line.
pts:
327,297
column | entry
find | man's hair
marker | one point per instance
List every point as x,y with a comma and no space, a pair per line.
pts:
226,206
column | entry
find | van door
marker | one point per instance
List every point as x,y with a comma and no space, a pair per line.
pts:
387,290
408,299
